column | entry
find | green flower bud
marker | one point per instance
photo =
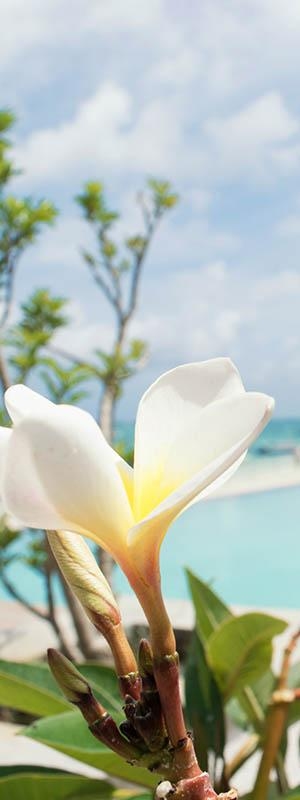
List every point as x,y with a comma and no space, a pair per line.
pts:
72,684
82,573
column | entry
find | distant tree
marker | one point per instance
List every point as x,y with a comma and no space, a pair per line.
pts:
28,352
23,355
27,357
117,271
21,221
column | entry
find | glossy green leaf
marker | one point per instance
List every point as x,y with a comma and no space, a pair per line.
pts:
249,709
240,651
30,688
68,733
294,683
34,786
204,707
104,683
294,794
294,676
209,609
121,795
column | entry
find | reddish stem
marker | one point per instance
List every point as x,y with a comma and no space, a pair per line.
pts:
130,685
166,673
197,788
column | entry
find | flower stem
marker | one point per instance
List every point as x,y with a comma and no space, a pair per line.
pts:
166,673
125,662
198,788
276,722
275,726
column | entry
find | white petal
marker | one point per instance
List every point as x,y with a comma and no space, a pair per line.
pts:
60,474
126,473
169,413
219,481
5,434
228,428
22,402
10,522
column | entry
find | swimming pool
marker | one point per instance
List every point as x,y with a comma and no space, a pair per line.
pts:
248,546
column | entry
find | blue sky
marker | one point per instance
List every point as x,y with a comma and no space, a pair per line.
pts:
207,95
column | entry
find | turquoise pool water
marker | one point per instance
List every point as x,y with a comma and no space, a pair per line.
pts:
248,546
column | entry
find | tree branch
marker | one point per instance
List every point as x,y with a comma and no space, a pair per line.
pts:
4,374
17,596
8,294
275,725
152,223
59,351
102,283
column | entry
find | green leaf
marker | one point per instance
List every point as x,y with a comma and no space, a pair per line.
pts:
294,794
209,608
204,707
35,785
294,683
68,733
30,688
240,651
122,794
104,683
248,711
294,676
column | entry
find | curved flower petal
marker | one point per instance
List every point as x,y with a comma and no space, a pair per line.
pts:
168,418
214,486
227,429
5,434
60,473
22,402
126,473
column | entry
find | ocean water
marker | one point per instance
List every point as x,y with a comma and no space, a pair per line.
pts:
248,546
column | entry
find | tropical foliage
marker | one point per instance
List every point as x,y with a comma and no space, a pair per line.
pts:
228,676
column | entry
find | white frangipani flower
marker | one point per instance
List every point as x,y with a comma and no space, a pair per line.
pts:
194,425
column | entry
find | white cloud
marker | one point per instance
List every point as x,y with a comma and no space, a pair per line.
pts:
285,283
179,69
290,226
61,244
195,238
244,143
134,14
208,98
108,133
51,25
205,312
25,26
105,133
82,338
91,136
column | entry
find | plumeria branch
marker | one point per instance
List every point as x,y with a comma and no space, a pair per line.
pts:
81,572
59,473
153,733
282,698
142,738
